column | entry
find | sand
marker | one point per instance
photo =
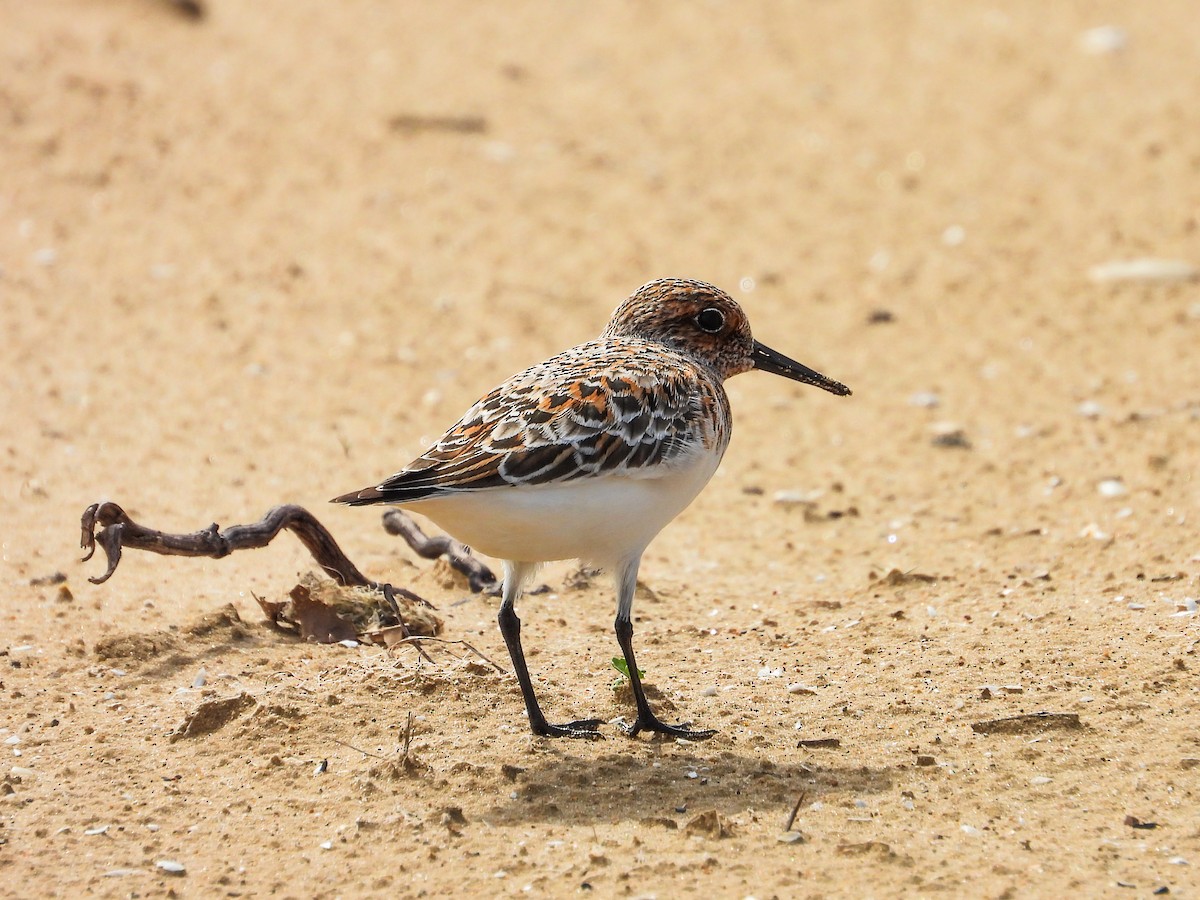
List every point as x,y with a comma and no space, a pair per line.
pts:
267,255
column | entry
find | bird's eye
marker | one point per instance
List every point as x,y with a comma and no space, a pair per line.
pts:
711,320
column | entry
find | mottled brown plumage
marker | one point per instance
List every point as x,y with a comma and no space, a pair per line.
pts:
639,399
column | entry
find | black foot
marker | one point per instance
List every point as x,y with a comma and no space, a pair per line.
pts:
679,731
582,728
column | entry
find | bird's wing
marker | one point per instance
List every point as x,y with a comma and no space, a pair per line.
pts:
597,409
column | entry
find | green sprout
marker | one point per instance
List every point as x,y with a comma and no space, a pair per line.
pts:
618,663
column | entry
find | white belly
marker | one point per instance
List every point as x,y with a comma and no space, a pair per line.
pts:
602,520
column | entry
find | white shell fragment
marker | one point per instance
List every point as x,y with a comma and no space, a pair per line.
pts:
796,498
1144,270
954,235
1186,607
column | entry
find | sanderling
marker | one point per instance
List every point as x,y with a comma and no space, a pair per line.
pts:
590,454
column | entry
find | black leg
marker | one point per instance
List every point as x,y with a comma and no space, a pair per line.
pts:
510,628
646,720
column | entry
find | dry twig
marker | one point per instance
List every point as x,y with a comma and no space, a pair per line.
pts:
118,531
417,639
791,819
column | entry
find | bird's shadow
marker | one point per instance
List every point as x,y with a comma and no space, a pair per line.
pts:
673,783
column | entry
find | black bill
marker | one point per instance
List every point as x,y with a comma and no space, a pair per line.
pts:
767,360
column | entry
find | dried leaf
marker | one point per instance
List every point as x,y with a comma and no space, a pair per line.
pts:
318,621
326,612
711,824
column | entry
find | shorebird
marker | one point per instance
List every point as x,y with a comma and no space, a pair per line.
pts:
589,454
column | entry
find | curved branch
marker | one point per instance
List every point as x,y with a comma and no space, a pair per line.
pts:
479,576
118,531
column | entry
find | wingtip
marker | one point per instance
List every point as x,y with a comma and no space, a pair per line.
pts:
360,498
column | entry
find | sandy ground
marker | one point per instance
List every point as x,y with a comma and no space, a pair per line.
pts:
266,256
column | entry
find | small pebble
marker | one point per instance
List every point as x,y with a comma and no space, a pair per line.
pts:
327,845
798,688
99,829
499,151
1040,780
1090,409
171,867
954,235
1103,39
947,434
1112,487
